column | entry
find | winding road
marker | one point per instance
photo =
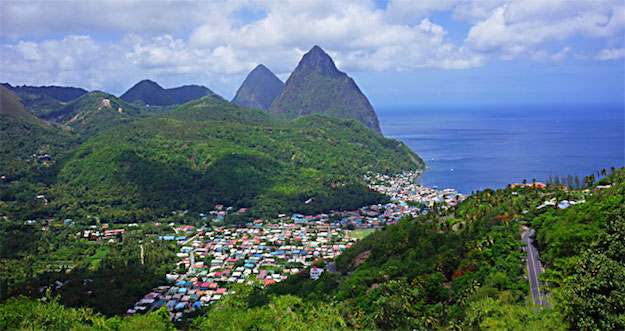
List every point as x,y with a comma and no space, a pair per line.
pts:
534,268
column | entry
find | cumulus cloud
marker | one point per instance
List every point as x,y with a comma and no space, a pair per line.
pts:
525,27
611,54
112,44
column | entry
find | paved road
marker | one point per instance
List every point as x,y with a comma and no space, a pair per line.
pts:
534,268
190,239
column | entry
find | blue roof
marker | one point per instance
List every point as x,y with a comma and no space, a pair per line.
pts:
197,304
180,305
248,265
182,290
181,283
257,255
277,252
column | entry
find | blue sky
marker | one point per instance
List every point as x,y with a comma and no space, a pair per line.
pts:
401,53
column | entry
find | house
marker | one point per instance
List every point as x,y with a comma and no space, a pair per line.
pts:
315,272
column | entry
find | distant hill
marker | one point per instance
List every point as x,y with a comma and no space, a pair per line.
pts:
14,107
186,93
215,108
259,89
42,100
95,111
148,92
61,93
317,86
27,142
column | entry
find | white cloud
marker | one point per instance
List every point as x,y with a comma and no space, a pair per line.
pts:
112,44
611,54
526,27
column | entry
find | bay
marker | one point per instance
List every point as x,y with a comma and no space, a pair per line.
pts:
493,146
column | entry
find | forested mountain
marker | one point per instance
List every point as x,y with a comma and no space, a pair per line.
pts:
186,93
316,86
259,89
95,111
43,100
14,107
147,92
210,151
28,144
60,93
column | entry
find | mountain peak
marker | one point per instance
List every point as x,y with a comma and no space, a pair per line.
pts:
259,89
260,67
318,60
316,86
149,92
147,82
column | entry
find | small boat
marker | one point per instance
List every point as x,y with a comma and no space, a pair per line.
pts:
452,169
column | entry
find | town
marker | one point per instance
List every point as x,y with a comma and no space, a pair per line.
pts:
215,256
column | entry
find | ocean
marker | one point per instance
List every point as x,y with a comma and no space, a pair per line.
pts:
473,148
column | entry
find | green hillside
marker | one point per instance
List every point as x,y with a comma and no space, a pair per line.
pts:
13,106
43,100
215,108
97,110
210,151
29,144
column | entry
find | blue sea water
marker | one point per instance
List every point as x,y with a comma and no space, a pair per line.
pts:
492,146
